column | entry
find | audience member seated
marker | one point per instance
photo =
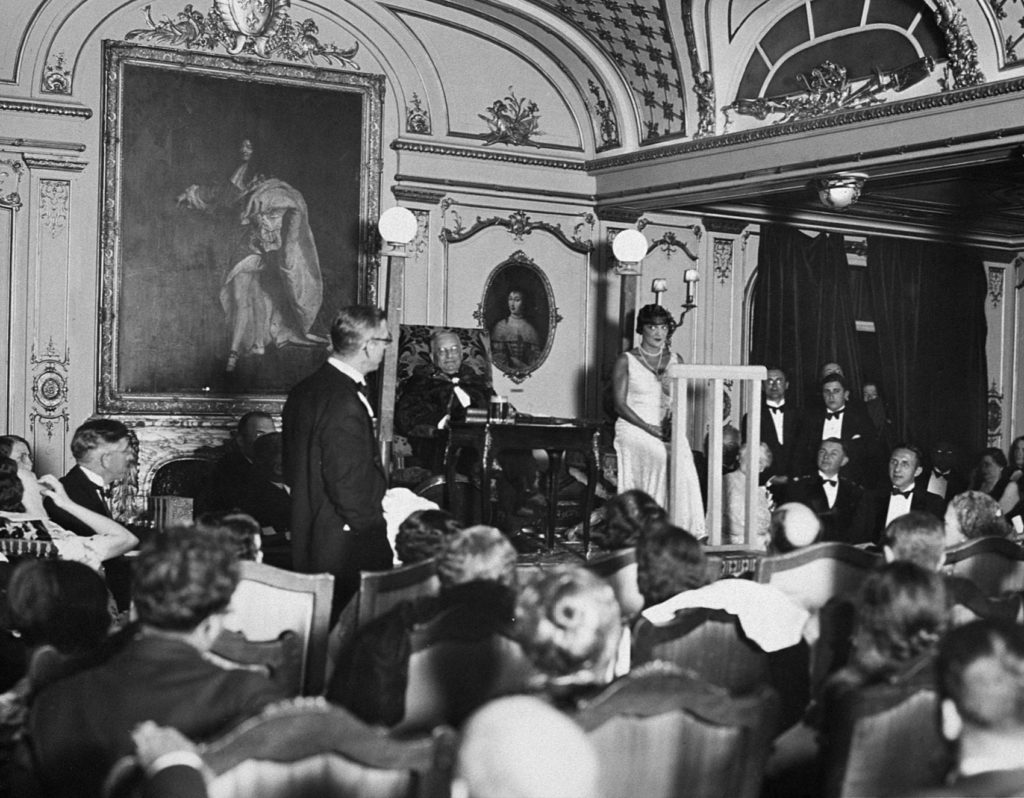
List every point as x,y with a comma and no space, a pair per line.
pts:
519,747
476,568
981,688
235,473
672,574
422,535
265,496
920,538
241,529
833,497
992,476
734,500
838,418
22,517
879,506
62,613
569,625
1015,458
626,515
942,475
170,762
442,392
18,449
973,514
79,726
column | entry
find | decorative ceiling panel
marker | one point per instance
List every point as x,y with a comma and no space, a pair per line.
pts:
636,35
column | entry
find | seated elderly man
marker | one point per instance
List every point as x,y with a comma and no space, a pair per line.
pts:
442,392
981,686
79,726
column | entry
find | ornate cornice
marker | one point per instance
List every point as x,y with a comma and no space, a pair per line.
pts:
715,224
424,195
839,119
41,144
59,164
39,107
450,151
619,215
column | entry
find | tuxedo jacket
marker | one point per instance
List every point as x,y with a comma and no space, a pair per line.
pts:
835,520
80,725
869,522
858,435
783,461
955,483
333,466
81,490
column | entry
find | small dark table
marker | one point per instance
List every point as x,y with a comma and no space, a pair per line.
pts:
554,435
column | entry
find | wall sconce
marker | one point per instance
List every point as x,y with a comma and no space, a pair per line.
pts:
397,227
659,287
629,248
839,191
690,277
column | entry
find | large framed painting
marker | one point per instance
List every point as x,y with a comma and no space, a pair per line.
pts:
239,202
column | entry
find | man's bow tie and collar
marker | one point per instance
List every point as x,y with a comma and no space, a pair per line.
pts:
838,414
904,493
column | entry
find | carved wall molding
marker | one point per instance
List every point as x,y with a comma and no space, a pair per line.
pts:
669,242
962,69
41,144
512,120
56,77
717,224
518,223
417,118
607,125
995,415
54,199
49,388
995,284
60,164
722,249
10,182
419,244
39,107
412,194
453,151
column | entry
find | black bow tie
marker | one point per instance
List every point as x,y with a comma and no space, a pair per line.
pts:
776,409
829,415
832,482
898,492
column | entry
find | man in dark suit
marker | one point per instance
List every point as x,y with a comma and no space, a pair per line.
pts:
833,498
981,689
942,478
332,462
780,425
235,473
836,419
81,724
879,506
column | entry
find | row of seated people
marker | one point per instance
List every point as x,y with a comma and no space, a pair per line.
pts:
560,635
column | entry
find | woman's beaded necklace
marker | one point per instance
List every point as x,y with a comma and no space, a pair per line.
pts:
657,367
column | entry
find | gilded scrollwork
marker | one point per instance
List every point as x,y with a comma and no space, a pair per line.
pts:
607,127
995,285
722,258
54,196
512,120
518,223
10,183
56,76
962,69
417,118
49,388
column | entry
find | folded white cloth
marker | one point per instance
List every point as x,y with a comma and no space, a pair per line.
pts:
397,505
766,614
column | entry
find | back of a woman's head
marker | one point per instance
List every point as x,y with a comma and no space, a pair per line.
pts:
422,535
242,528
669,560
11,489
59,603
627,515
973,511
569,624
901,613
477,553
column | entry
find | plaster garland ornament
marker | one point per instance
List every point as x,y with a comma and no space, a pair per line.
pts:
254,27
608,127
49,388
56,77
512,120
417,118
962,70
10,183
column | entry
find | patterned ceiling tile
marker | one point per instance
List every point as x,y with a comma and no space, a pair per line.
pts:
636,36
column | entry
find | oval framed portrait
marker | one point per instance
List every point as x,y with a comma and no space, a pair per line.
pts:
518,311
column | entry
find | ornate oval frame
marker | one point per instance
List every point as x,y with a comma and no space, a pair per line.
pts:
540,315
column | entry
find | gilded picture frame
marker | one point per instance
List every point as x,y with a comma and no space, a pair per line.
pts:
239,202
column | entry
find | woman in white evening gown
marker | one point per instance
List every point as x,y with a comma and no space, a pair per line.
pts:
641,394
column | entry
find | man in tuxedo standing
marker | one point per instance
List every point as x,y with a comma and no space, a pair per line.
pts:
332,461
837,419
780,425
833,498
881,505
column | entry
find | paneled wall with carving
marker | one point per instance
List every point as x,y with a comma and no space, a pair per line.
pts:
525,274
1014,281
1001,316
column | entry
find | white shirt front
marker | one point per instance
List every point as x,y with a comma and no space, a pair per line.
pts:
898,505
830,490
833,427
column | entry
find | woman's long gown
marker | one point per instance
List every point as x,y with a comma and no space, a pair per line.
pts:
643,458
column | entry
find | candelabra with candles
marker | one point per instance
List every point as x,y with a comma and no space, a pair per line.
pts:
690,278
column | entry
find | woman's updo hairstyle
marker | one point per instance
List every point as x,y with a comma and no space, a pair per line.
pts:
654,314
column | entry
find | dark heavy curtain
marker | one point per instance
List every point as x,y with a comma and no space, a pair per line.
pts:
929,308
803,309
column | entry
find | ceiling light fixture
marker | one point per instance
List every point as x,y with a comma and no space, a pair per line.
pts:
839,191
